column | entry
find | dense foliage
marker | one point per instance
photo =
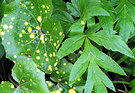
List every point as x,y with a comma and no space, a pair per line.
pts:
80,46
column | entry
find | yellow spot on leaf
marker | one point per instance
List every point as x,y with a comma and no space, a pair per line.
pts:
20,65
42,38
47,7
78,79
45,39
45,11
47,32
54,23
38,70
54,44
50,68
20,35
31,3
49,84
72,91
46,59
66,82
32,35
64,64
28,49
56,68
23,80
30,79
38,51
45,54
24,5
82,22
43,6
15,56
10,26
38,57
57,72
12,86
23,31
29,29
63,72
26,23
57,91
60,33
54,54
37,27
39,19
55,64
8,43
24,13
2,33
59,79
5,15
2,82
5,26
50,55
32,7
12,18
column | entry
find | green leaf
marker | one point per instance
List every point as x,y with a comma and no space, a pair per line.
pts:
70,45
98,78
28,77
80,66
107,25
72,9
116,43
132,1
33,36
132,83
90,22
2,8
2,51
59,5
77,27
6,87
115,2
125,14
94,9
65,18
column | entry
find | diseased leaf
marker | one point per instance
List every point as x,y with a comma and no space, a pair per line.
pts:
70,45
6,87
116,43
33,36
28,77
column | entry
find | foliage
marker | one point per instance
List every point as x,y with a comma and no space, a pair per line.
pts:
67,41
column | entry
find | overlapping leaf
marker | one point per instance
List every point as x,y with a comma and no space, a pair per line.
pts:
94,56
125,14
70,45
26,30
115,43
29,79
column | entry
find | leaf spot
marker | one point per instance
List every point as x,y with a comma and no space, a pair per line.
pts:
56,68
8,43
5,26
23,80
72,91
32,35
28,49
20,35
5,15
32,7
29,29
31,80
38,57
37,27
50,55
12,18
12,86
60,33
55,64
24,13
66,82
10,26
54,54
54,44
59,79
23,31
38,51
45,54
45,11
50,67
49,84
20,65
78,79
2,33
46,59
64,64
43,6
54,23
63,72
26,23
15,56
39,19
57,72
